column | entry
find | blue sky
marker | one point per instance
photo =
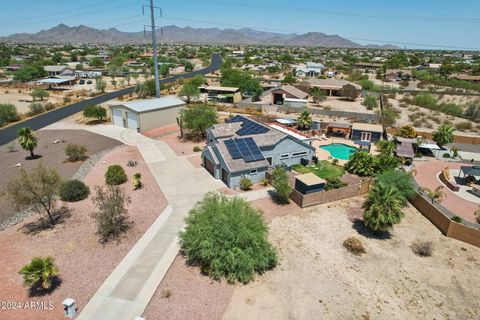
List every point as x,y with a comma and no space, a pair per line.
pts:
442,23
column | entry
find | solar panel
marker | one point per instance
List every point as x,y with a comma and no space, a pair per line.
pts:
244,148
248,127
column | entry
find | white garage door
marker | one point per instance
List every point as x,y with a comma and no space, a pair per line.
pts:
117,118
132,122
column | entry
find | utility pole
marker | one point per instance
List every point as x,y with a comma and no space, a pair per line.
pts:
155,49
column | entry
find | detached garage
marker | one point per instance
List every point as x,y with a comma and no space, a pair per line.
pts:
143,115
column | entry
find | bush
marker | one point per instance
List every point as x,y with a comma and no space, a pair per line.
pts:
422,248
334,183
265,182
226,237
73,190
76,152
95,112
49,106
35,108
246,184
466,125
137,183
456,219
281,184
197,149
115,175
8,113
426,100
354,245
67,100
370,102
40,273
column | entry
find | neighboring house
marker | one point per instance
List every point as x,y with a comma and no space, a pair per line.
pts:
144,115
228,94
368,67
59,71
466,77
242,147
287,92
332,86
398,75
12,67
311,69
365,132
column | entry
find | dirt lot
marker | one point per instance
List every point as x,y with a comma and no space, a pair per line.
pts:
53,156
318,279
83,262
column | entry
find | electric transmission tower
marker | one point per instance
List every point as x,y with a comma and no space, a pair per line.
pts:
154,43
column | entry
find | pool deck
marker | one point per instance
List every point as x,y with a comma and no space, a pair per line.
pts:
325,155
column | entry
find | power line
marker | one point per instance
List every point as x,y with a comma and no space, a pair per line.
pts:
342,13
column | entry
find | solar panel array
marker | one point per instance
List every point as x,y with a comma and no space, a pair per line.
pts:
248,127
245,149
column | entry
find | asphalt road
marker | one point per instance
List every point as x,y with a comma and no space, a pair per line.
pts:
10,133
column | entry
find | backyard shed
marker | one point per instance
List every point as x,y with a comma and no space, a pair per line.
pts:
143,115
367,132
309,183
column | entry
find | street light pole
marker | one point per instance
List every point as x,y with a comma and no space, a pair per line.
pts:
155,51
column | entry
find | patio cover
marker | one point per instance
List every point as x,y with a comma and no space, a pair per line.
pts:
405,150
470,171
344,126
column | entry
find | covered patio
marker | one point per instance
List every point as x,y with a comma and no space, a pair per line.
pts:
341,130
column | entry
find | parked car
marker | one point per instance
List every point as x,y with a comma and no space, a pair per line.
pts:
81,81
89,82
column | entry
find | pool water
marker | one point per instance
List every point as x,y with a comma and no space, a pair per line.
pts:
339,150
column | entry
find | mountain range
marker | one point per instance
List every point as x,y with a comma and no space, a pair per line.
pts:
174,34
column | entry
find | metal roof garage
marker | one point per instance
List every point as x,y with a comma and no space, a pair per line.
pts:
143,115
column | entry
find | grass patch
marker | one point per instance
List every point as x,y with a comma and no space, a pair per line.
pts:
323,169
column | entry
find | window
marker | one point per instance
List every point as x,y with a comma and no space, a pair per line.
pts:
270,160
285,156
299,154
253,172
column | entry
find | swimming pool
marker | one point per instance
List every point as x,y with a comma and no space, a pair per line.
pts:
339,150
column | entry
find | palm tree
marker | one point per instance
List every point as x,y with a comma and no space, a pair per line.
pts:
386,147
28,140
382,208
40,272
444,134
435,195
304,120
362,163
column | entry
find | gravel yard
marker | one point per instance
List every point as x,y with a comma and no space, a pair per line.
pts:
53,156
83,262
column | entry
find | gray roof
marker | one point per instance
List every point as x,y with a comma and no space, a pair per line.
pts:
333,84
153,104
295,92
55,68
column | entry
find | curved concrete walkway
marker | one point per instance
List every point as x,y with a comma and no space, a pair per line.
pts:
129,288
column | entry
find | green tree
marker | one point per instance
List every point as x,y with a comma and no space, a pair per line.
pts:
113,72
304,121
241,79
95,112
289,78
100,85
28,140
444,134
349,92
39,273
227,237
402,181
362,163
29,73
164,70
407,131
96,62
198,119
39,94
382,208
39,189
370,102
190,91
281,184
111,215
318,94
8,113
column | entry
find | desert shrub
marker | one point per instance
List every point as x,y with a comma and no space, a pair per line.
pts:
452,109
40,273
111,215
334,183
422,248
354,245
137,183
49,106
95,112
73,190
456,219
8,113
35,108
466,125
67,100
281,184
115,175
76,152
426,100
246,184
370,102
227,237
197,149
265,182
166,293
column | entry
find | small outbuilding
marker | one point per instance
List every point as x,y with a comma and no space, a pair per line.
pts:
143,115
309,183
367,132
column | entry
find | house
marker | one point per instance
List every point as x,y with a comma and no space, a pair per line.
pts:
332,87
287,92
311,69
242,147
12,67
143,115
465,77
365,132
398,75
58,81
59,71
228,94
368,67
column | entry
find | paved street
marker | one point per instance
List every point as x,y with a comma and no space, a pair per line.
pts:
10,133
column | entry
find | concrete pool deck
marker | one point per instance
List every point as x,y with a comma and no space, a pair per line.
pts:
323,154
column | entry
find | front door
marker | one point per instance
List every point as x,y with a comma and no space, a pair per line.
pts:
366,136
